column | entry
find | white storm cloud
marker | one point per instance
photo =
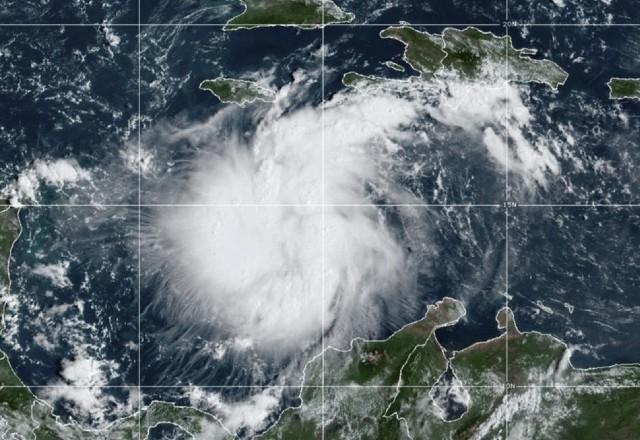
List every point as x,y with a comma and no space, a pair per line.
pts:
256,264
262,269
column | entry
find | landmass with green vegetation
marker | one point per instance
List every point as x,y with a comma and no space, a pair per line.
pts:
394,66
361,382
544,397
624,88
24,416
473,55
306,14
30,417
237,91
354,79
402,387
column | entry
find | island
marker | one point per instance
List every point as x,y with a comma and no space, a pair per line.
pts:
624,88
304,14
394,66
472,55
237,91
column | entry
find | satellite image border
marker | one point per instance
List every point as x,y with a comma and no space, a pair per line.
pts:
319,219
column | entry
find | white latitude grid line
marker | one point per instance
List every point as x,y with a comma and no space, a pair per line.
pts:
356,387
327,25
558,386
321,205
247,26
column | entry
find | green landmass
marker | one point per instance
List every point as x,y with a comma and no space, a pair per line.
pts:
9,230
23,415
472,55
545,396
394,66
362,381
306,14
624,88
478,54
34,419
237,91
194,421
390,389
423,51
353,79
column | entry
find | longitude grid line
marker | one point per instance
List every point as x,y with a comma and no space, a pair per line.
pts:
506,222
140,403
323,234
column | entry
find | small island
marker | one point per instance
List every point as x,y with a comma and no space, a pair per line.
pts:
305,14
394,66
237,91
624,88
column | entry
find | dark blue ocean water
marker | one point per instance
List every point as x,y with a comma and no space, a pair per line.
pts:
68,93
93,313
